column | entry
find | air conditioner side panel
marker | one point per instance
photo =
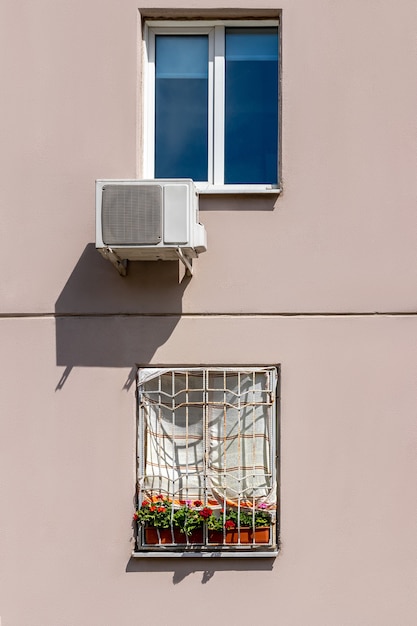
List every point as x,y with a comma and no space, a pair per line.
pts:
176,214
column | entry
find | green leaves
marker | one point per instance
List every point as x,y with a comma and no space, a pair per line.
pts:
188,519
157,513
160,513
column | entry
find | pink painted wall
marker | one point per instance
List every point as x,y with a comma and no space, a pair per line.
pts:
321,280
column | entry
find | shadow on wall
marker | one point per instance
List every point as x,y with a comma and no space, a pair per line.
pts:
105,320
181,568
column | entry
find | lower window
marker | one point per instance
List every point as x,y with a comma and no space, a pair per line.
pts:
207,461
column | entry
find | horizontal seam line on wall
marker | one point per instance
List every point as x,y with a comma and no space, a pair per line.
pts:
212,315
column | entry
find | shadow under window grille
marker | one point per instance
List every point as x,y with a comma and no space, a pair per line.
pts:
207,459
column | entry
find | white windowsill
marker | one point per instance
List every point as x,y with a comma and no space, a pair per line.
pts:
232,554
205,188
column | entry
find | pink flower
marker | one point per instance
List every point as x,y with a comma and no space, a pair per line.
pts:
262,505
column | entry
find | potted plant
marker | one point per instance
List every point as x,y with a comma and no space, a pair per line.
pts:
240,526
190,519
163,523
155,515
263,522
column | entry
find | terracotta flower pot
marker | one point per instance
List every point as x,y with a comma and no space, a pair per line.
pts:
159,536
262,534
215,536
247,536
195,537
232,535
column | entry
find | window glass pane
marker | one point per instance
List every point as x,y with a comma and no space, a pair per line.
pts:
181,106
251,106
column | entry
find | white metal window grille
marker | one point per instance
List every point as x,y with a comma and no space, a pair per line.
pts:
207,450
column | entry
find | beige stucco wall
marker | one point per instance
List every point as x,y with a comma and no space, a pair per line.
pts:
320,280
341,237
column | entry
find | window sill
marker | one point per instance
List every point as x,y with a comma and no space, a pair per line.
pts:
212,554
205,188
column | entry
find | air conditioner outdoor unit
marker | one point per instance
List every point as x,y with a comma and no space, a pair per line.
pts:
147,220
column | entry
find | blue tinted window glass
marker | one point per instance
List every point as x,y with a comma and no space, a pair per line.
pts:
251,106
181,106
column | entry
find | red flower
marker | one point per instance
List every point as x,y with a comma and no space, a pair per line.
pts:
161,509
145,503
152,508
135,517
206,512
198,503
230,524
160,497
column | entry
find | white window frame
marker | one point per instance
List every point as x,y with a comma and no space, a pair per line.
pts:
158,398
215,29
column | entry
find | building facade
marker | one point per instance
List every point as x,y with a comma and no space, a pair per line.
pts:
316,279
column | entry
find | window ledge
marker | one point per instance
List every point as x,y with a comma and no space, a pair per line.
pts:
232,554
205,188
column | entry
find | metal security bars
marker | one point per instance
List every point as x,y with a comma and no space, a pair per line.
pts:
207,477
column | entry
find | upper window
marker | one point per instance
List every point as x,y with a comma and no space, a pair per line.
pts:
207,452
212,102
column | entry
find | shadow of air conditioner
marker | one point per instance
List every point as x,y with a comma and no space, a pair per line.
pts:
103,320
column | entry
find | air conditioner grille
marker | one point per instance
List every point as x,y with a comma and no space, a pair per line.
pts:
132,214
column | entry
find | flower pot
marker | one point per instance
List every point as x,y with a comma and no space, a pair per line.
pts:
195,537
247,536
215,536
262,534
232,535
162,536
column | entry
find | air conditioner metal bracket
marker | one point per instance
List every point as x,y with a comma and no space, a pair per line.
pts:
119,264
188,263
